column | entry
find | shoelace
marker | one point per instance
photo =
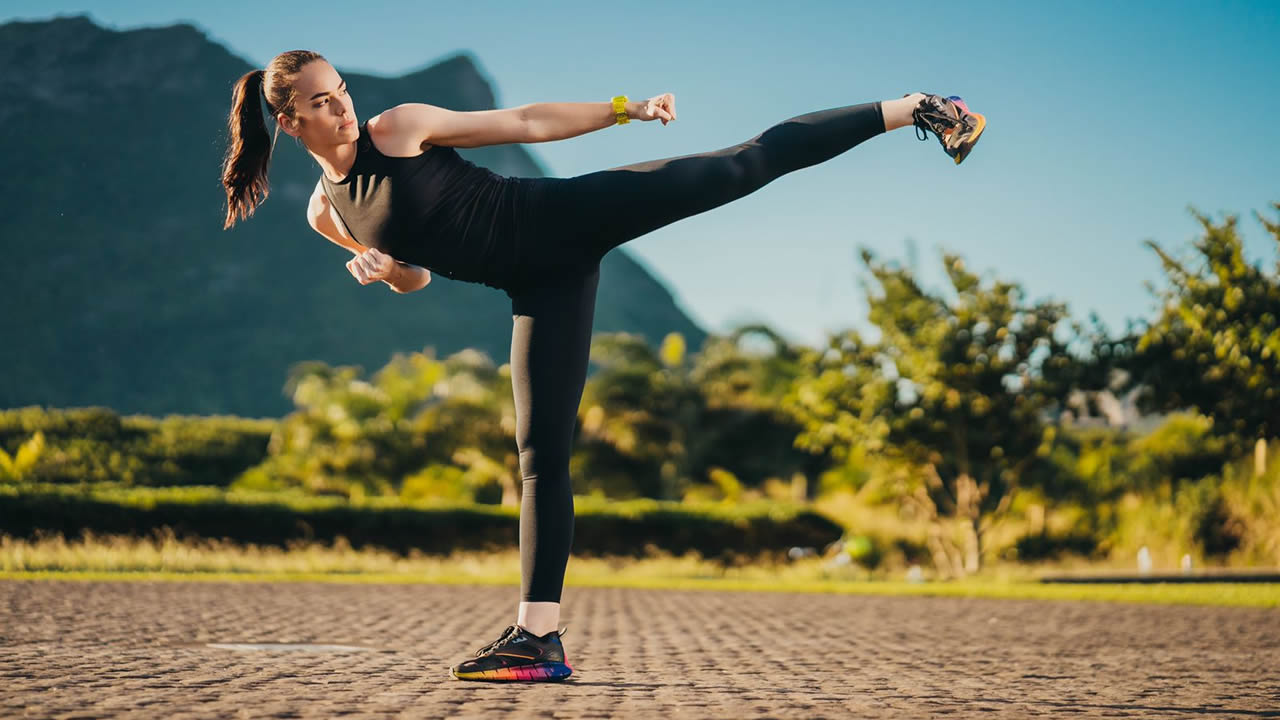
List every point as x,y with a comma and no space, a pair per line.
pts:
922,119
511,630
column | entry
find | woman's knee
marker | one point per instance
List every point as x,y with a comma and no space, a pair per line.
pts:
751,168
538,464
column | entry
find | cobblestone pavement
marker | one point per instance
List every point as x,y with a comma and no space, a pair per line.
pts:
141,649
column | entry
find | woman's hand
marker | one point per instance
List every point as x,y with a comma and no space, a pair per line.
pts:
659,107
372,266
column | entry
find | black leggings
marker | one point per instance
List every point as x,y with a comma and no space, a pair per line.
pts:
586,217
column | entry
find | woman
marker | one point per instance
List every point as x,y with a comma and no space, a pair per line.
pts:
395,193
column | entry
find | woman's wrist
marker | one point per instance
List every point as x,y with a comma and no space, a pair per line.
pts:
402,278
393,278
406,278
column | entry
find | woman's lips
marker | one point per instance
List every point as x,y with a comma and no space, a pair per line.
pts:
348,124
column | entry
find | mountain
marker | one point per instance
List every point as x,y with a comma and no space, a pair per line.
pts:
119,285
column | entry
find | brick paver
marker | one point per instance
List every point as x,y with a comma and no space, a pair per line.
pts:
140,649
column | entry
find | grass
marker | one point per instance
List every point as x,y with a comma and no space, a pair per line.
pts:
165,558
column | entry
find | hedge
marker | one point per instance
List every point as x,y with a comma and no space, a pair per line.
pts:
602,527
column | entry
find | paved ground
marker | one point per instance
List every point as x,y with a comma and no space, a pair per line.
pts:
96,649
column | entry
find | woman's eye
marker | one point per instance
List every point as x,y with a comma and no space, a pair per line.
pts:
343,91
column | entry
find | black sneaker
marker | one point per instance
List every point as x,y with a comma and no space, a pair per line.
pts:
949,118
517,655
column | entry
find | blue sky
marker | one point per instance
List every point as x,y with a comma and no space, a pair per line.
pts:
1106,121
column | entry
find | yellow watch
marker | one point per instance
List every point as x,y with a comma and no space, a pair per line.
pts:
620,109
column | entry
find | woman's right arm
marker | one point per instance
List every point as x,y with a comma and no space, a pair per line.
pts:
404,278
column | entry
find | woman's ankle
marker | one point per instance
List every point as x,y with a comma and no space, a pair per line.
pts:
538,618
897,113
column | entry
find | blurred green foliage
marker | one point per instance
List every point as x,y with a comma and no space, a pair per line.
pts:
1215,345
960,388
957,418
87,445
354,437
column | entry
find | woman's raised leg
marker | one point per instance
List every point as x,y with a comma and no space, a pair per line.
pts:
590,214
599,211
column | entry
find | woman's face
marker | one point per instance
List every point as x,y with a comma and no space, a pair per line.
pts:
323,111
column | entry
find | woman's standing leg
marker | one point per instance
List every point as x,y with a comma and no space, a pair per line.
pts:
550,345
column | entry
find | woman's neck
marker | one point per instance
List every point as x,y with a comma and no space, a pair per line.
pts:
335,160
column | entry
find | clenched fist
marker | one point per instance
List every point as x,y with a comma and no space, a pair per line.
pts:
372,266
659,107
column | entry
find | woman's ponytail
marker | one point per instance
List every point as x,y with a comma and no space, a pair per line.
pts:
244,172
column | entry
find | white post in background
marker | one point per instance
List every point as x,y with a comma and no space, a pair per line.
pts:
1260,458
1144,560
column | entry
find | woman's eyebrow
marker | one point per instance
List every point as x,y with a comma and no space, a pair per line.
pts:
326,92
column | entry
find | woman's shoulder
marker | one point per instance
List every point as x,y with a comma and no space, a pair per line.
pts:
393,139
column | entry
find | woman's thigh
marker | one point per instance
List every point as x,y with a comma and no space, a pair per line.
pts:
550,346
597,211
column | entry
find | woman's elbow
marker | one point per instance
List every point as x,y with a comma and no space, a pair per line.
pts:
528,128
424,281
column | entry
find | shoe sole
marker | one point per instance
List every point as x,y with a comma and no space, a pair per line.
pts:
967,146
541,672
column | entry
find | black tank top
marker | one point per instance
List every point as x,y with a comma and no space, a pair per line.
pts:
436,210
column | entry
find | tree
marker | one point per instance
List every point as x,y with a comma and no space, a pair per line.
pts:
1215,345
354,437
960,391
744,376
471,421
637,411
661,423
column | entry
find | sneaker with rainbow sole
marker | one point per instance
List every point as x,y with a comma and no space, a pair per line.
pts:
518,655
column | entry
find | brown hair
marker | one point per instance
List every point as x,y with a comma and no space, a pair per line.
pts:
244,170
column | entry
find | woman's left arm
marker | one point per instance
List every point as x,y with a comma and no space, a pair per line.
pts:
532,123
558,121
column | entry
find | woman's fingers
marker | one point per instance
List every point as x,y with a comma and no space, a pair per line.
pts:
371,266
358,270
662,107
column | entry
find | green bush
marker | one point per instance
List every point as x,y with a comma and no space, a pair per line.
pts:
1046,546
95,445
602,527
